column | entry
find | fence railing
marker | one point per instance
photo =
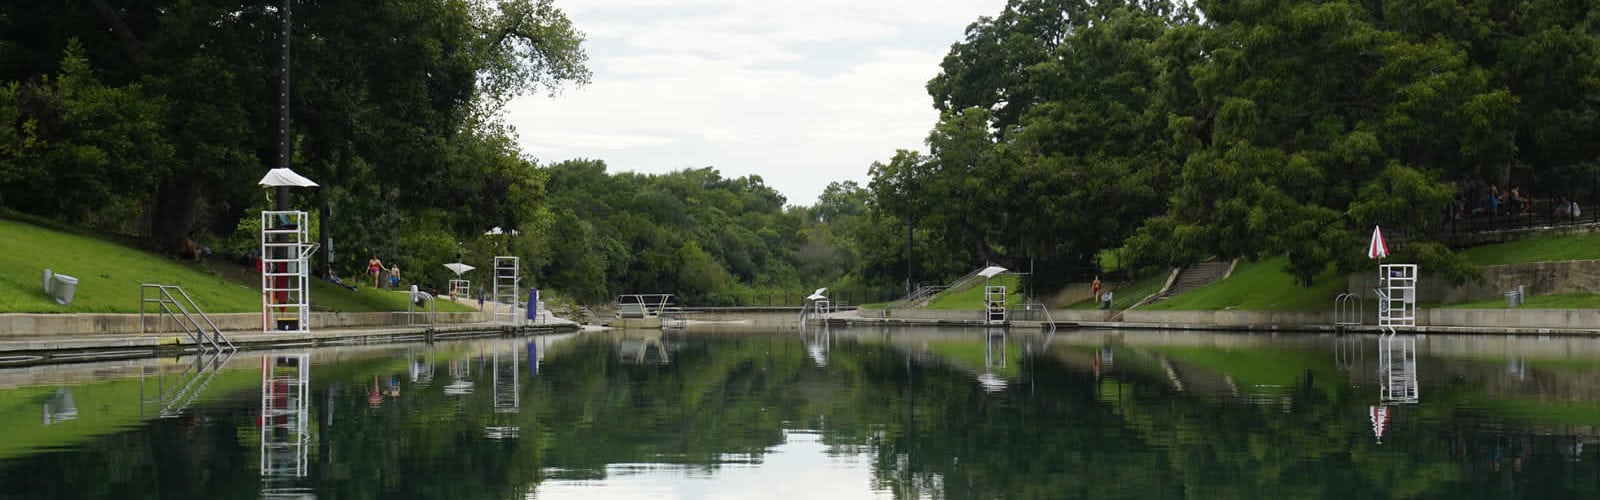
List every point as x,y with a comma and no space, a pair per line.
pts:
1537,213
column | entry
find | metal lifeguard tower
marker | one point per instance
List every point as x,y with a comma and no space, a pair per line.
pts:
460,288
507,289
285,247
994,297
816,303
1397,297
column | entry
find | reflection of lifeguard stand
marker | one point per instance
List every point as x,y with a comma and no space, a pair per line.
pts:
507,290
1397,297
285,295
1397,365
285,437
507,369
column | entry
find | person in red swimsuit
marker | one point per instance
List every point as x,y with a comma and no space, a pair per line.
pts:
373,267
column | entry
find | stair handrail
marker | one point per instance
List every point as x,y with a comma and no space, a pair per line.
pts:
1051,321
170,305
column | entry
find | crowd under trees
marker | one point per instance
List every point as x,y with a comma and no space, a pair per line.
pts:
1162,132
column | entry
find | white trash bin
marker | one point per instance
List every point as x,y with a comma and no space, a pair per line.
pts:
63,288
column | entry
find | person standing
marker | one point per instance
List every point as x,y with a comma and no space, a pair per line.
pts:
1095,285
373,266
394,277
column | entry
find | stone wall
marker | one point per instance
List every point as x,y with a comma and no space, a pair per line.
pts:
1538,278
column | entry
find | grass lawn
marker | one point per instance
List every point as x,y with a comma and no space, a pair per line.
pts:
109,275
1259,286
1536,249
972,298
1551,301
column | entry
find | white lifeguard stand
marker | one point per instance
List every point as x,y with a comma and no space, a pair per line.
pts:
1397,297
994,297
285,248
816,303
285,252
507,290
459,288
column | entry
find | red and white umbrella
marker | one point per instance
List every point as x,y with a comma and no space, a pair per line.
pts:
1380,420
1377,249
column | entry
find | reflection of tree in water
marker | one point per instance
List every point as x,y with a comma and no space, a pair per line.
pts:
929,427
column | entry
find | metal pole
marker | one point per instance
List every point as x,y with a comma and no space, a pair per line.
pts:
283,107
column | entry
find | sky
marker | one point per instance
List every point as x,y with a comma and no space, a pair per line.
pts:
800,93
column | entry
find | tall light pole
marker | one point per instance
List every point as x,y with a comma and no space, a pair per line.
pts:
283,107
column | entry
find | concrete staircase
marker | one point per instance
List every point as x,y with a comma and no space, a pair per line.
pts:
1197,276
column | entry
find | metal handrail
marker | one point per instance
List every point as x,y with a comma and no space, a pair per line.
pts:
1348,310
172,307
1051,321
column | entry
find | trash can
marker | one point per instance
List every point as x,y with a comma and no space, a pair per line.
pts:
533,304
1514,297
1105,300
63,287
48,277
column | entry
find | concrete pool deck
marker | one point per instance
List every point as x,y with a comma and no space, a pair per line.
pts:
37,349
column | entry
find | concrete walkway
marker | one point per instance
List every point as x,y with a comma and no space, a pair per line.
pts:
27,350
1453,321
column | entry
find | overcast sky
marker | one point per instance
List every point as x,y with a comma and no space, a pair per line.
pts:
800,93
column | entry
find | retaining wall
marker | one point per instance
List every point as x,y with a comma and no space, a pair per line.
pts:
81,324
1537,278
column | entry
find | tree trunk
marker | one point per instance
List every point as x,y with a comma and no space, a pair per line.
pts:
177,199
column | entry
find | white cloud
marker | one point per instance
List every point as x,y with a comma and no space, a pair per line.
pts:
800,93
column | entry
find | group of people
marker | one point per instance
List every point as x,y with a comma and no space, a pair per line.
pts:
375,268
1497,203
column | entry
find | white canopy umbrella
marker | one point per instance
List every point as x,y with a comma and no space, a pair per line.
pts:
458,268
991,271
818,295
285,177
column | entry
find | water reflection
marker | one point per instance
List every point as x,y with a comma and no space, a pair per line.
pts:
643,346
506,372
904,413
994,360
60,407
167,395
285,437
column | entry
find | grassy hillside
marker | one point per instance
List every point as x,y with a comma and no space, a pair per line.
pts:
1551,301
1259,286
109,275
972,298
1143,287
1536,249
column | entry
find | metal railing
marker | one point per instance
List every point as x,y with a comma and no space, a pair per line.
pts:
916,295
1039,306
172,302
1348,310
